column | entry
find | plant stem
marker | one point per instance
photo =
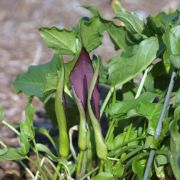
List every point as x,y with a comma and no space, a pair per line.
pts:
89,173
27,169
132,153
111,90
110,131
142,82
79,171
101,148
11,127
60,115
40,162
159,125
56,170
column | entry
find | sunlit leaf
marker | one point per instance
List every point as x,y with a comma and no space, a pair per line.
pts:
40,79
124,68
118,35
131,21
63,41
91,33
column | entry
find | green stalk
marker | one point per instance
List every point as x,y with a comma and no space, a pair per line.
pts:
89,173
81,165
60,115
142,82
159,125
82,138
111,90
101,148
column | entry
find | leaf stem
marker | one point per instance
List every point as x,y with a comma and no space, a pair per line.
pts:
111,90
89,173
159,125
27,169
11,127
142,82
101,148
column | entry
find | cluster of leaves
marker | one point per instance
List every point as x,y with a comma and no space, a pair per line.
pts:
137,80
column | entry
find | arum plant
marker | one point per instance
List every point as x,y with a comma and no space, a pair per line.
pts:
130,108
84,82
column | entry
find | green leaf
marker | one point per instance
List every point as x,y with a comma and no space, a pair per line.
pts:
92,9
64,41
174,154
26,126
26,133
149,83
138,167
172,40
123,107
123,68
160,23
118,35
103,175
39,80
43,148
11,154
45,132
161,160
118,169
24,149
131,21
177,98
150,142
108,166
91,33
175,60
152,112
160,173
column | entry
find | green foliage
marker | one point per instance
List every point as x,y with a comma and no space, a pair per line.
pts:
123,68
39,80
174,148
63,41
91,33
